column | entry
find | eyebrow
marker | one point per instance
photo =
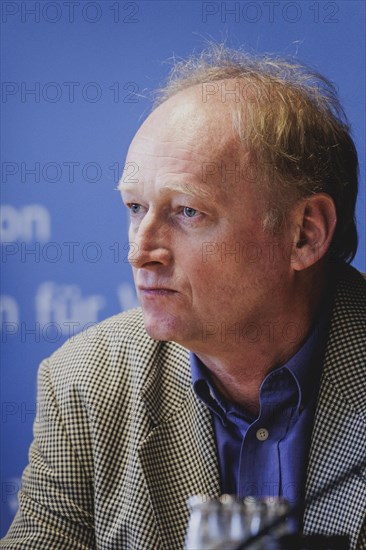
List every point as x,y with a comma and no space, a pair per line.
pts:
184,188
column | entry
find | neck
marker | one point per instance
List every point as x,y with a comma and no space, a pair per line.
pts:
239,367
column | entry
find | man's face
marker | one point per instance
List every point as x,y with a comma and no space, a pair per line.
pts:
206,273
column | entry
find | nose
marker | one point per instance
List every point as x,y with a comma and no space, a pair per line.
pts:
149,243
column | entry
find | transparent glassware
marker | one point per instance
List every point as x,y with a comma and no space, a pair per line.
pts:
204,527
224,523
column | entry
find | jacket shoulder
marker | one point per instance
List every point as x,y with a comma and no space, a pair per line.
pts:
119,330
345,361
104,354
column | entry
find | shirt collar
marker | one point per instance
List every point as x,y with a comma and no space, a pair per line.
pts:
306,365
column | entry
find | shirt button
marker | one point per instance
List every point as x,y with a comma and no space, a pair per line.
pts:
262,434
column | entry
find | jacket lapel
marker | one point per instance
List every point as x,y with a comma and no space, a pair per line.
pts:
178,458
339,434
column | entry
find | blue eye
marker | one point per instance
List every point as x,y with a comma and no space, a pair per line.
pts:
189,212
135,208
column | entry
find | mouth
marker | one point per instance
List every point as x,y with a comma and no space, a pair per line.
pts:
156,291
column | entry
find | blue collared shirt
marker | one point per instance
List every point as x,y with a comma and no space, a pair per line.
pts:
267,455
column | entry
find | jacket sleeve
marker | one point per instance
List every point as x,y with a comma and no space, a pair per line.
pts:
56,498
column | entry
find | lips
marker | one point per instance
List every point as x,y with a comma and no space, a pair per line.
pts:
156,291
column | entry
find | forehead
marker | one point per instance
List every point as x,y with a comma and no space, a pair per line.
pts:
153,147
185,123
175,165
183,137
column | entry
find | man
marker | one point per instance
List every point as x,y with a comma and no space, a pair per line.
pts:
245,370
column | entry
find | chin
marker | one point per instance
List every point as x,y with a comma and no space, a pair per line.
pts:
167,328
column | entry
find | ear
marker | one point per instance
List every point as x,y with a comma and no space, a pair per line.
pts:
315,221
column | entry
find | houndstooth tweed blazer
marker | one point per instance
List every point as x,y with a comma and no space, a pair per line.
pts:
120,440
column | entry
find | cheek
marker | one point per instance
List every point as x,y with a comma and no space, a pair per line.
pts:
240,265
212,276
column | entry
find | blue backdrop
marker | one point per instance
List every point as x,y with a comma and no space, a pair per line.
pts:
75,80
